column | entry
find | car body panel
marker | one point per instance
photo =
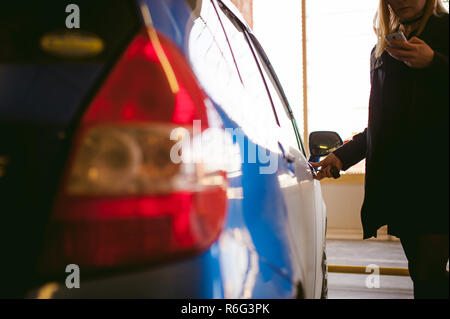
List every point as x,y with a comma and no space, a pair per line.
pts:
198,277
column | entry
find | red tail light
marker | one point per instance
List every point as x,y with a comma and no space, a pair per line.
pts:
123,201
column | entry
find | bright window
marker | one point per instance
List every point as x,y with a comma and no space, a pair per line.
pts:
339,40
278,27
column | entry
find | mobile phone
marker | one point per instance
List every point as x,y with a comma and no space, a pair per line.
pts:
398,36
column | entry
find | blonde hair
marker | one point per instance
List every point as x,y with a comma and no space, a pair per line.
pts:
386,21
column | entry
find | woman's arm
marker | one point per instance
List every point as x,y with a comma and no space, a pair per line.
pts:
439,67
354,151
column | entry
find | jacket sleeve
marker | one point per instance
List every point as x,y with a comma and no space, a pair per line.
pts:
354,151
440,62
438,69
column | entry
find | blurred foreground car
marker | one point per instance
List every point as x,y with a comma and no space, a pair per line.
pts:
93,175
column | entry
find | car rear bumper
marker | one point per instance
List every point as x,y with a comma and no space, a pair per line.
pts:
226,270
197,277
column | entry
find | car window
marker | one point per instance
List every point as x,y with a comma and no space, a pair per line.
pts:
215,67
241,41
285,122
211,59
260,110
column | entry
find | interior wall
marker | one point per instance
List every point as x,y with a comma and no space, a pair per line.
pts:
344,198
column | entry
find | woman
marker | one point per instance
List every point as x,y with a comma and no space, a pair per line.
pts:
406,143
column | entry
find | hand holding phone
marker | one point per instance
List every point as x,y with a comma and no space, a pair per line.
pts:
398,36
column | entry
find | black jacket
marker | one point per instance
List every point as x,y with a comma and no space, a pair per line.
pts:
406,143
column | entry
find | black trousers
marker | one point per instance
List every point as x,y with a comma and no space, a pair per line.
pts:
427,258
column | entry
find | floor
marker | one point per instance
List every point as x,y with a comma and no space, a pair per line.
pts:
364,253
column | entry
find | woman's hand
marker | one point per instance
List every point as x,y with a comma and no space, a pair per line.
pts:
415,53
326,164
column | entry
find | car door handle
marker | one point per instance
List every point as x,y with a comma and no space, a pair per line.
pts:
313,170
334,171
